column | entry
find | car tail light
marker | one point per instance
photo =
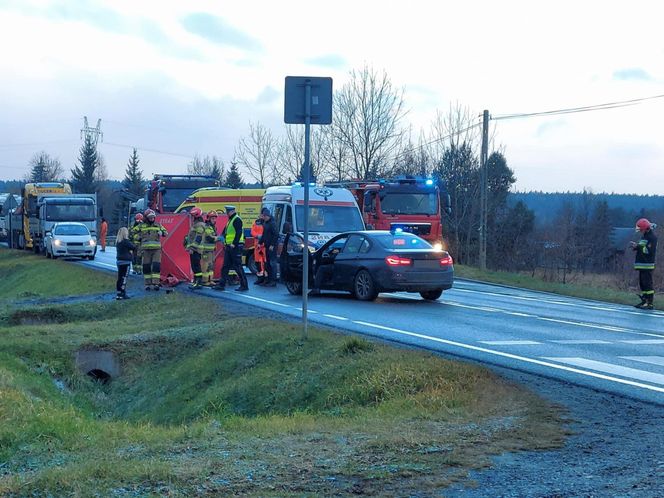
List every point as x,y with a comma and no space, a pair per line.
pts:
446,261
398,261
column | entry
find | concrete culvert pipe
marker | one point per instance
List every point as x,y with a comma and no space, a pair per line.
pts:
99,376
100,365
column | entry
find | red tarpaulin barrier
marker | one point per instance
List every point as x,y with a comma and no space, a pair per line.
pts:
174,257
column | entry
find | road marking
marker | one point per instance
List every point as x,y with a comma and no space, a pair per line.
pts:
459,305
524,359
510,343
610,368
99,263
335,317
264,300
654,360
644,341
581,341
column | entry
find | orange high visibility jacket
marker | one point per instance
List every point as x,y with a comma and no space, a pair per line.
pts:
259,249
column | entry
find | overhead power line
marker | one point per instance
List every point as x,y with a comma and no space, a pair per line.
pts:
570,110
148,150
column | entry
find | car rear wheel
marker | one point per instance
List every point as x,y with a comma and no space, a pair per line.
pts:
294,288
432,295
364,286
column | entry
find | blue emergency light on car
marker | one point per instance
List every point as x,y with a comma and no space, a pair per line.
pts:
429,182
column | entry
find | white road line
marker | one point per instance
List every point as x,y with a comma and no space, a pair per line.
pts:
513,356
581,341
653,360
510,343
335,317
644,341
99,263
264,300
610,368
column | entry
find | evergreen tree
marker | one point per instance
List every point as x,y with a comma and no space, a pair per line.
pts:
217,170
44,168
83,177
234,178
133,180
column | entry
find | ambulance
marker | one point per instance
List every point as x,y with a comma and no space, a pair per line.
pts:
246,201
332,210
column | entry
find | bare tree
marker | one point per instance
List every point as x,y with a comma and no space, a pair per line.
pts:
258,153
44,168
369,110
291,152
458,126
334,155
207,166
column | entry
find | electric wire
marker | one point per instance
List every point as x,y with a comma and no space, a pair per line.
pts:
144,149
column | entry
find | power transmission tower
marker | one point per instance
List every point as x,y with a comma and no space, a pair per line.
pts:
92,133
483,188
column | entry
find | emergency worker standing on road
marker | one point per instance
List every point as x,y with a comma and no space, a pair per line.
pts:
233,238
151,233
124,249
135,238
259,250
209,247
103,232
195,246
644,262
270,240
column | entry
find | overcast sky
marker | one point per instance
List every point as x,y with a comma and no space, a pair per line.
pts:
177,78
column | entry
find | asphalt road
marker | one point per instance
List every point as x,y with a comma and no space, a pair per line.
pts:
611,348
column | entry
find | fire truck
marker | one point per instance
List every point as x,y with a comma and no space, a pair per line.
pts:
165,193
410,203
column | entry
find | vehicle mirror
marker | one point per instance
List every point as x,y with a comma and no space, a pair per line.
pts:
370,227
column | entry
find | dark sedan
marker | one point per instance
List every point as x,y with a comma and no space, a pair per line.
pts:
366,263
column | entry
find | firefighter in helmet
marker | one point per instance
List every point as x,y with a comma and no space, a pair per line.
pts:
150,243
195,245
135,238
209,247
644,262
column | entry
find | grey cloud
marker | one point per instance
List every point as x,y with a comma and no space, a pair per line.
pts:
550,126
217,30
635,73
333,61
268,95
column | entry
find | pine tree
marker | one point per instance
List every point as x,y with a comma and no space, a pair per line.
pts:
83,177
234,178
133,180
217,170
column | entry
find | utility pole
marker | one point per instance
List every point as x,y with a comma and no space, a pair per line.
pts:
483,188
93,133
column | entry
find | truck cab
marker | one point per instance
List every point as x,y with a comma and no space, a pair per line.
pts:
79,208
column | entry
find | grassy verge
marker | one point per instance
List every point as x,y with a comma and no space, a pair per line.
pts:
588,287
26,275
210,403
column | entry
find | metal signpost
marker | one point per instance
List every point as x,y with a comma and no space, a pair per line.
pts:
308,100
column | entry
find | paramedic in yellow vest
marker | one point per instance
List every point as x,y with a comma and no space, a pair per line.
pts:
233,239
209,247
151,233
195,246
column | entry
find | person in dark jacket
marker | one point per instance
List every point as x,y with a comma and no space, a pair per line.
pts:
124,250
270,240
233,238
644,262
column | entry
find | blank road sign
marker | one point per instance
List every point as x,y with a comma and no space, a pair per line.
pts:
295,100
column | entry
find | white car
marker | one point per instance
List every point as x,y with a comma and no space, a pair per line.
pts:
70,239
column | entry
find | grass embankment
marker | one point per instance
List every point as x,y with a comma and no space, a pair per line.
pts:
589,286
219,404
25,275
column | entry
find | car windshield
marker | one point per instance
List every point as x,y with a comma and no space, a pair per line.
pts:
71,230
325,218
401,240
70,212
407,203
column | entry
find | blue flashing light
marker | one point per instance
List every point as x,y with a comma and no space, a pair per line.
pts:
429,182
398,230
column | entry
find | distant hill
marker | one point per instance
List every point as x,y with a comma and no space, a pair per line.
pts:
624,207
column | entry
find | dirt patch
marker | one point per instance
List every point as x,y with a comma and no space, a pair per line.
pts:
40,316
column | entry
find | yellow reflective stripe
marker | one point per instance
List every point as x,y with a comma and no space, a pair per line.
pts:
648,292
644,266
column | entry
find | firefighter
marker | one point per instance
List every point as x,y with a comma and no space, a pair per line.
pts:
209,247
135,238
233,238
259,251
150,244
644,262
195,246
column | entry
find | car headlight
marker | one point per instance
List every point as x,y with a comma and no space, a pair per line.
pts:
57,242
92,242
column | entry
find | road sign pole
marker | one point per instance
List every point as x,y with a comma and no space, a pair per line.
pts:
306,179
